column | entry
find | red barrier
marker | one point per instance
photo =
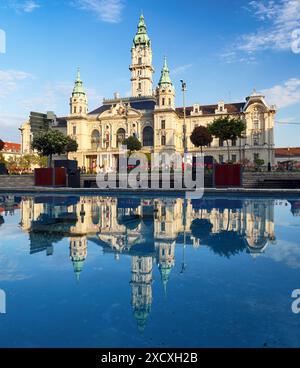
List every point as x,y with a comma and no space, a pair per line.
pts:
228,175
50,177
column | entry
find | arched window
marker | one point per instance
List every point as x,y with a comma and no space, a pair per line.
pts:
95,213
121,135
96,140
148,137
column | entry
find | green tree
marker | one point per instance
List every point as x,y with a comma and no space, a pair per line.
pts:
53,142
201,137
133,144
227,129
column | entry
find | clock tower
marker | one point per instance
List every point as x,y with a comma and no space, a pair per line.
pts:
141,63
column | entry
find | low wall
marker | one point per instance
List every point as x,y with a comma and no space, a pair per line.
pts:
16,181
254,179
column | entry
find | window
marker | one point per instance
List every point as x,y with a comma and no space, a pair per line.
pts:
148,137
163,140
163,101
120,136
96,140
255,140
74,129
75,110
80,109
163,227
170,102
233,158
256,157
163,124
233,142
140,86
221,143
221,159
140,61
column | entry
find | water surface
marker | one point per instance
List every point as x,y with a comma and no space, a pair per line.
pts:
149,272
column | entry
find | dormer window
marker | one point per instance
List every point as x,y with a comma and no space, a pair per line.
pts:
221,108
196,110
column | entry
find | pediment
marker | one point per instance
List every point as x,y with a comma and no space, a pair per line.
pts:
120,110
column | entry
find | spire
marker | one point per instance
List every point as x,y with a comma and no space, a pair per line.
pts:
141,38
165,79
78,88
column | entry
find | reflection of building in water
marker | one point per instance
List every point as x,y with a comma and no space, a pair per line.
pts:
148,231
78,253
141,288
165,260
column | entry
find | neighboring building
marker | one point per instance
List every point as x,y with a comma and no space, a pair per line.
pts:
285,155
11,151
152,116
39,122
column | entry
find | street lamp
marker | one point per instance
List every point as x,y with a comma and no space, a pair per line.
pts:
184,89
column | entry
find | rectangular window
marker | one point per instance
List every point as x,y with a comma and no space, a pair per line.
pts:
256,156
163,227
163,140
163,101
140,61
221,159
233,143
74,130
233,158
221,143
163,124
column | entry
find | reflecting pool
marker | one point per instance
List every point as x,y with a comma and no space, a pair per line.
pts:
121,271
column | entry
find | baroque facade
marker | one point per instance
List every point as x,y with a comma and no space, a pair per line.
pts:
151,115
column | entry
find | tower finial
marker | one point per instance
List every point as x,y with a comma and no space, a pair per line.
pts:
165,74
78,74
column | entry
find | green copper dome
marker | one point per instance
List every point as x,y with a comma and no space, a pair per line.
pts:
165,80
78,266
141,38
165,272
78,88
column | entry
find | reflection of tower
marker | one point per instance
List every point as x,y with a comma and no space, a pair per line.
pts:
78,253
165,260
141,283
259,226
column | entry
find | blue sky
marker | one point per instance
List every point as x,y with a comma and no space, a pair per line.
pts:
222,49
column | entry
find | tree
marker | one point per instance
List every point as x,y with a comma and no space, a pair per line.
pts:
53,142
227,129
133,144
1,145
72,145
201,137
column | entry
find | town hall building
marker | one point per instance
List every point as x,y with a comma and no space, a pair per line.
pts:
151,115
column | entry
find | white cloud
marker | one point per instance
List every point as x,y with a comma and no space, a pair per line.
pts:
10,79
281,19
277,23
27,6
109,11
30,6
284,95
181,69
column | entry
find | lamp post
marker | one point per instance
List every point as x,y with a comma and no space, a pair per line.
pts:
184,89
